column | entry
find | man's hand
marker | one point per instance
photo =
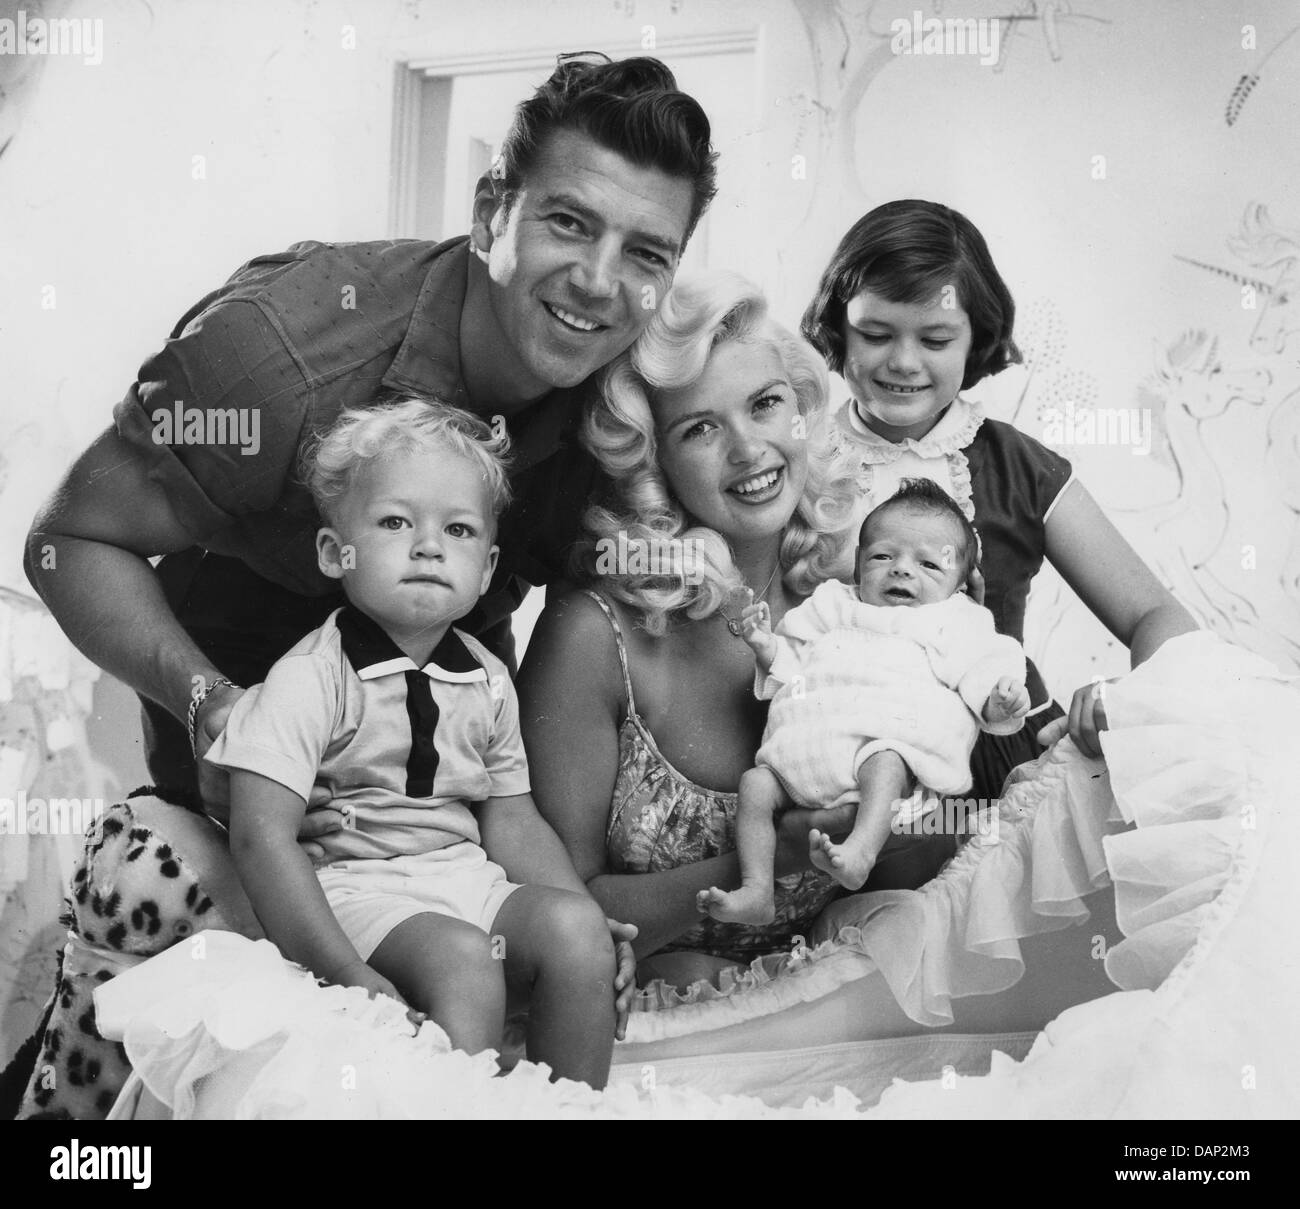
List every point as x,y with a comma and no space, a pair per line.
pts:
214,783
1086,720
1009,699
321,819
625,979
975,585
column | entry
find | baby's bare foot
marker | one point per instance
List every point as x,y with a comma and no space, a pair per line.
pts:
847,864
748,905
819,850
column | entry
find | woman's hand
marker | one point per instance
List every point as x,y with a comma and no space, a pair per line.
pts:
975,585
625,979
792,830
1086,720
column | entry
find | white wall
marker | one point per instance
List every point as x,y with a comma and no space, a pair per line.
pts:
99,199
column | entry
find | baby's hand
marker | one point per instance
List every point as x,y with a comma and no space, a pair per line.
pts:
756,630
1009,699
755,620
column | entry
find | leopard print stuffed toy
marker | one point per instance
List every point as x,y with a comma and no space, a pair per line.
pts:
152,873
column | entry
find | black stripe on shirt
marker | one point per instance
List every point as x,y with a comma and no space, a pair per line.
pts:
422,710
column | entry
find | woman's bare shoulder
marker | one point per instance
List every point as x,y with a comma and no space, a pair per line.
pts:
573,613
573,638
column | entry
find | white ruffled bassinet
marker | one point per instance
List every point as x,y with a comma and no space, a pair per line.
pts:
981,991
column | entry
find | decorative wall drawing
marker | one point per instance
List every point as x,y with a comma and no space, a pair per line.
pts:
1049,382
1048,15
850,50
1262,244
1236,576
19,71
1248,82
1216,578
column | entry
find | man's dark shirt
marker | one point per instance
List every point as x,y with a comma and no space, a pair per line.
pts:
293,339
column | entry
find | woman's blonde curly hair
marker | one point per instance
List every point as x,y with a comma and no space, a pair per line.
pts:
697,315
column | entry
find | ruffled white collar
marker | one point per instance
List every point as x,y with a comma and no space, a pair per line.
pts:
954,431
945,443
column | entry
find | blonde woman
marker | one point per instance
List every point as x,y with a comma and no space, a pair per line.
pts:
637,699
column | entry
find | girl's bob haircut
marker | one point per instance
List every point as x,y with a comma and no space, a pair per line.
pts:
907,251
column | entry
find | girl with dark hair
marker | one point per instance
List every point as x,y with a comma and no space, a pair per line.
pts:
910,311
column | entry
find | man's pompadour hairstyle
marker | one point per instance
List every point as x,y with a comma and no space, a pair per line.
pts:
632,107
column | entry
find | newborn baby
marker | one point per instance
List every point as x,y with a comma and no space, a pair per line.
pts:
877,695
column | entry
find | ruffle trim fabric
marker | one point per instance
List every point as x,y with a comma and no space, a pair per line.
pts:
947,440
1204,888
951,435
1026,871
227,1029
1058,835
1171,824
959,468
1184,774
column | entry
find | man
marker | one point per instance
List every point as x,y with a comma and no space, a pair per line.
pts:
576,235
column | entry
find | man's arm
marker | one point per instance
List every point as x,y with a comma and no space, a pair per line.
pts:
87,556
132,495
